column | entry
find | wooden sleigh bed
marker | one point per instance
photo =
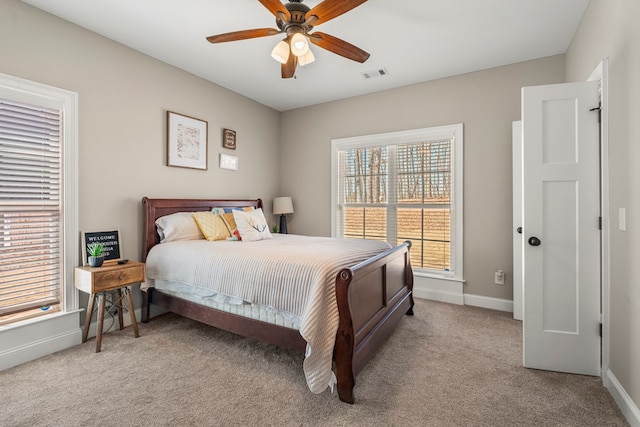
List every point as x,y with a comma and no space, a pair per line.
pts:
372,297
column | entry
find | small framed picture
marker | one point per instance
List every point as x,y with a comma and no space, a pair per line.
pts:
229,139
228,162
186,141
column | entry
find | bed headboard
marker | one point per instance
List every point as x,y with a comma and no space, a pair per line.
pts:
153,209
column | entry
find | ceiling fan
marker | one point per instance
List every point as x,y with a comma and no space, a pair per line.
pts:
296,21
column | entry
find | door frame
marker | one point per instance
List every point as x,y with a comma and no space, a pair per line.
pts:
601,74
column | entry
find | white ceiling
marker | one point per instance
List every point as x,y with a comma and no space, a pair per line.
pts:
414,40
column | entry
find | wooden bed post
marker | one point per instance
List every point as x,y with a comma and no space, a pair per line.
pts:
145,306
345,339
365,323
409,277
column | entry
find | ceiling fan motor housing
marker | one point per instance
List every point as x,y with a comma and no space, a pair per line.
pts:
298,12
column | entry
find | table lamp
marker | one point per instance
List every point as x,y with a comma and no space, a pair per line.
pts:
282,206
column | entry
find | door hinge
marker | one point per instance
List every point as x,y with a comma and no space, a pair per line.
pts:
599,223
599,110
600,330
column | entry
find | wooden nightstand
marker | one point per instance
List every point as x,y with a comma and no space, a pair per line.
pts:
96,281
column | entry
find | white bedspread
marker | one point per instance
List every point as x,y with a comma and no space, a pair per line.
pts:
291,273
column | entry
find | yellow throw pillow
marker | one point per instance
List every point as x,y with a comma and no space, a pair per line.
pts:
211,225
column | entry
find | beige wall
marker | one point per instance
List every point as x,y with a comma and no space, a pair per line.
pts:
123,99
486,102
610,30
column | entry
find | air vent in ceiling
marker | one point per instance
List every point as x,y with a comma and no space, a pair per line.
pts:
375,73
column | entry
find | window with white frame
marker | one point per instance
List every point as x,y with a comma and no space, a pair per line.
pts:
403,186
37,199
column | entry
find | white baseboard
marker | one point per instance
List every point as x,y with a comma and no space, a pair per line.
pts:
438,289
34,339
489,302
451,291
625,403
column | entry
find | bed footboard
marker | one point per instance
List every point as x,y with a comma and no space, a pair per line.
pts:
372,297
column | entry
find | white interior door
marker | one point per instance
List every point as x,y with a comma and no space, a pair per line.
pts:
561,211
518,241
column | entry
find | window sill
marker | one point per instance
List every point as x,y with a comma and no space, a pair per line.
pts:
427,275
35,320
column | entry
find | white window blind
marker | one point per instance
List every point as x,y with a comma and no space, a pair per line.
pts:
31,225
402,186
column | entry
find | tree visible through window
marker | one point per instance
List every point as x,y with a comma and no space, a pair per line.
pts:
397,191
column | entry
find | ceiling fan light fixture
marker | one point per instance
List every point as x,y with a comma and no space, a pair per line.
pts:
299,44
281,52
297,21
306,59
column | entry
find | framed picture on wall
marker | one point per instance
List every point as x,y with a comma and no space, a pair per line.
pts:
228,162
187,139
229,139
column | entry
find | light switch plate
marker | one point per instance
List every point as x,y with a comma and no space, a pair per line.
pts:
622,219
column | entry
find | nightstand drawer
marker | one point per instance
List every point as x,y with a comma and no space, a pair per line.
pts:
99,279
113,279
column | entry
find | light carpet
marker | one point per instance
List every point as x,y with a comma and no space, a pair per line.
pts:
448,365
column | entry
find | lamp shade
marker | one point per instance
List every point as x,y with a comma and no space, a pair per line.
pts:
281,52
282,205
307,58
299,44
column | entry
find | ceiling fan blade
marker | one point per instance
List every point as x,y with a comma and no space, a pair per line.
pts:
329,9
242,35
277,8
338,46
289,69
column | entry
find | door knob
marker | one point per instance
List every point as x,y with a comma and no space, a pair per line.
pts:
534,241
519,230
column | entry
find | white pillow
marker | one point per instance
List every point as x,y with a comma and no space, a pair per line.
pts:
178,226
252,225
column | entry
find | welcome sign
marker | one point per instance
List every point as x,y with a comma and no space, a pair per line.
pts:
109,239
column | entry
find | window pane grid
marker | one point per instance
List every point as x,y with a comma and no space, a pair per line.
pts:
365,223
422,196
364,175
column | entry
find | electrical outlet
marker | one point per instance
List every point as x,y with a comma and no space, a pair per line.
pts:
499,277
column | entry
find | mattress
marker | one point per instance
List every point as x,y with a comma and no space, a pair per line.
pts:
228,304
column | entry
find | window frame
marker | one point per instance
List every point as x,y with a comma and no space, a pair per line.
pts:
33,93
454,131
